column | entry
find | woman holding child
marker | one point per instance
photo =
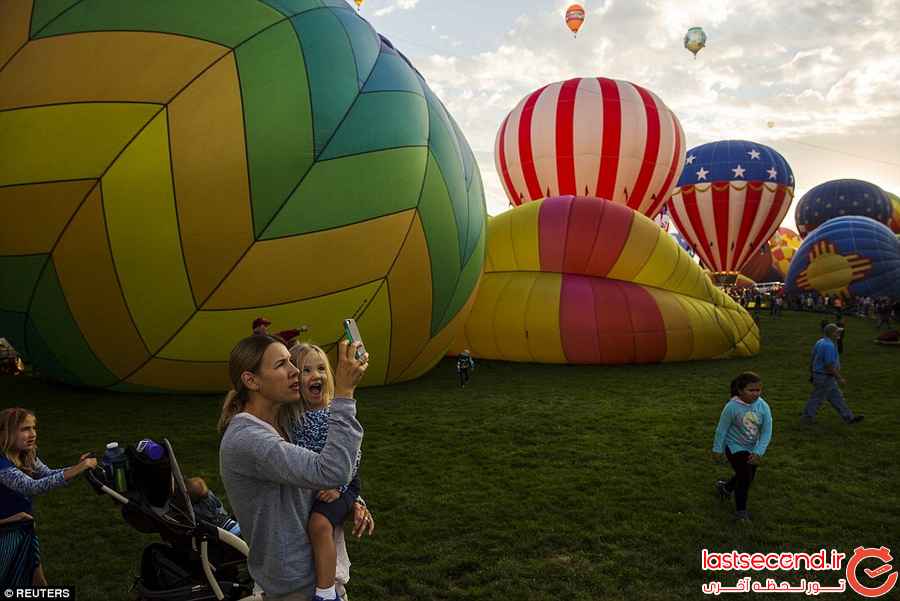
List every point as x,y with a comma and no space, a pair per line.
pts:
272,483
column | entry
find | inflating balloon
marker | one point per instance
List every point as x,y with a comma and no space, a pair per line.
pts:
575,18
783,244
761,266
591,137
695,40
581,280
847,256
731,197
839,198
171,171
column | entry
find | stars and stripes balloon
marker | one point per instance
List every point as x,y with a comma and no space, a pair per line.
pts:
171,170
594,136
847,256
731,197
838,198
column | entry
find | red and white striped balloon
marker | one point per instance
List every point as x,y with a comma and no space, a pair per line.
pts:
591,137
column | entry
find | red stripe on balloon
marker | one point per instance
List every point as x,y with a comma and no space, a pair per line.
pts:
693,215
612,133
553,223
720,196
665,192
768,225
585,218
751,208
627,324
680,225
504,167
578,327
525,152
651,150
610,238
647,323
565,141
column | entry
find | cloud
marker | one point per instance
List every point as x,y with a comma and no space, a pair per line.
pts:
823,71
396,5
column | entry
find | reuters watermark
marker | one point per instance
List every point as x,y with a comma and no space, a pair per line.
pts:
874,563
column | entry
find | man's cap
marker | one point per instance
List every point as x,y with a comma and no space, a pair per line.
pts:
261,321
831,328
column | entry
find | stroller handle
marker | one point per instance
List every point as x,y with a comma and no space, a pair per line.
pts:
97,479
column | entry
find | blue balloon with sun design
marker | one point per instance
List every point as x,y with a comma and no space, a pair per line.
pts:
847,256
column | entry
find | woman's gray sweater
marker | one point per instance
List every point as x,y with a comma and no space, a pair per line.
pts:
271,485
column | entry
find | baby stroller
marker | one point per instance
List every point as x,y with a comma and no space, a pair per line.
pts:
196,561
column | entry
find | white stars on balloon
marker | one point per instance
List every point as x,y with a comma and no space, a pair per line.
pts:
773,174
690,159
702,173
738,171
754,154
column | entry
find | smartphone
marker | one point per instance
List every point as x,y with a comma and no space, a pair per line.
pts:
351,331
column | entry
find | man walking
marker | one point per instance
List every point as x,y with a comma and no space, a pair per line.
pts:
825,374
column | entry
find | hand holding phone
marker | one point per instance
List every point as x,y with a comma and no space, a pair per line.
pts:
351,332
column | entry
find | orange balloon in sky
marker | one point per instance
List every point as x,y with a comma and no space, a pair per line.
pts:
575,17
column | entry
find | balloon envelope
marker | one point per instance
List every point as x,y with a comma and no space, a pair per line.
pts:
591,137
574,17
695,40
840,197
730,199
171,197
847,256
583,280
783,244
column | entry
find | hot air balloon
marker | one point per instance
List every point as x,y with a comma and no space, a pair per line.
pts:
358,3
783,244
840,197
591,137
695,40
575,17
731,197
895,212
770,124
150,175
847,256
574,280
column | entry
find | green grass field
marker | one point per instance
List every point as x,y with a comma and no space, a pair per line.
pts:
536,481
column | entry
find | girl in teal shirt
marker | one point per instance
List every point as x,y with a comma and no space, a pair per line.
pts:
743,433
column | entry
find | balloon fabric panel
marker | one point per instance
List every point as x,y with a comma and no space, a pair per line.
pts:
36,213
86,272
838,198
278,118
209,169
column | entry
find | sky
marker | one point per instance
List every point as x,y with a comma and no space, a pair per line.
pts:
826,73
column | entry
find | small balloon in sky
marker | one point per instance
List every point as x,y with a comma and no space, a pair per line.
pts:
695,40
575,17
770,124
358,3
